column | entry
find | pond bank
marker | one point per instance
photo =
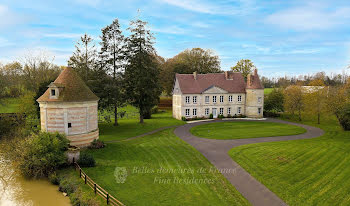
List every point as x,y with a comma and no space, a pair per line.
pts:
16,190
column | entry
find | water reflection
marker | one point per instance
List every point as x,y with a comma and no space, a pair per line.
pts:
16,190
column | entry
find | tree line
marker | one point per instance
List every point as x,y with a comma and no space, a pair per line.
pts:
316,100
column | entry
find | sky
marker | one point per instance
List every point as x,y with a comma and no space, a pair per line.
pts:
280,37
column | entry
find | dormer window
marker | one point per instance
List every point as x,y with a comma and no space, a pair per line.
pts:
53,92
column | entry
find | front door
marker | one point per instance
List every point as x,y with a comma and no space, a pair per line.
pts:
214,113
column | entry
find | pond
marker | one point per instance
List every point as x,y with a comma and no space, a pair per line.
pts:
16,190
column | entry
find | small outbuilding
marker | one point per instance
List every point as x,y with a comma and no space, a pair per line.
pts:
68,106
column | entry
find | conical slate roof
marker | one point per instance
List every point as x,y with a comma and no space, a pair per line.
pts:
72,89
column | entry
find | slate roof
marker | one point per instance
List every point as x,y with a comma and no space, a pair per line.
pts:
73,89
233,84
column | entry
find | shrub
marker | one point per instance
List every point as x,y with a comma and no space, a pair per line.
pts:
343,116
221,116
86,160
77,196
40,154
155,110
97,144
229,116
53,178
183,119
211,116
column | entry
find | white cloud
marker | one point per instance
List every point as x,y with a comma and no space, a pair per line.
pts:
63,35
210,8
4,42
169,30
309,18
7,17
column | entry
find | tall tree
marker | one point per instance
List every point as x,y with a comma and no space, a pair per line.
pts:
187,62
84,57
111,59
141,72
315,100
245,66
293,97
273,102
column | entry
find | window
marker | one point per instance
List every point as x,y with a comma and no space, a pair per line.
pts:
194,112
214,99
259,110
221,98
187,112
194,99
230,98
221,111
259,99
53,92
69,125
187,99
229,110
239,110
206,112
239,98
206,99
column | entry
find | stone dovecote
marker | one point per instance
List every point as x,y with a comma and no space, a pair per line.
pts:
68,106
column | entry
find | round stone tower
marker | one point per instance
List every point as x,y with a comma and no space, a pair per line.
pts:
68,106
254,96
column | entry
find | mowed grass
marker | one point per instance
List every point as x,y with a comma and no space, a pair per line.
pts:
268,90
244,129
9,105
303,172
156,164
131,127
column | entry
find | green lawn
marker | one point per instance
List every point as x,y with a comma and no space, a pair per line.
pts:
244,129
267,90
9,105
147,184
303,172
130,127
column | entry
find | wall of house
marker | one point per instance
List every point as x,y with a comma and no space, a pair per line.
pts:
180,109
82,116
252,105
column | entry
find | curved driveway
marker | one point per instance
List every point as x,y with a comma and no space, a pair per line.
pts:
216,151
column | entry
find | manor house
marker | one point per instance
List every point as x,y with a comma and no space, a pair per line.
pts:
227,94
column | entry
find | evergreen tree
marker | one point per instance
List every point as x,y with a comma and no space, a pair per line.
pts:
111,60
141,72
84,57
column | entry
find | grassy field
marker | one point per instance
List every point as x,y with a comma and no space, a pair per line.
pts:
9,105
130,127
303,172
244,129
268,90
156,164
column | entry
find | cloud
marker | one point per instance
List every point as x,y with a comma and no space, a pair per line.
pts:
4,42
210,8
8,18
309,18
169,30
63,35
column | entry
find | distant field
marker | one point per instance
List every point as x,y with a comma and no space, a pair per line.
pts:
9,105
268,90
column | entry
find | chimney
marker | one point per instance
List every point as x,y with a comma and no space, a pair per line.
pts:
195,75
226,74
249,79
255,72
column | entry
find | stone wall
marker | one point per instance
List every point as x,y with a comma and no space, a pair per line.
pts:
252,104
78,120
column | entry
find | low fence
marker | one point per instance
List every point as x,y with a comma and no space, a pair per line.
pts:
97,188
